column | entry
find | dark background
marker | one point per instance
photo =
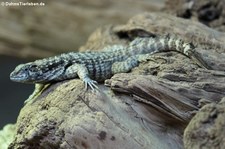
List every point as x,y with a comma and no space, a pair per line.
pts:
12,94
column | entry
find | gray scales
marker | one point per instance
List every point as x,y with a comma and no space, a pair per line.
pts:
93,67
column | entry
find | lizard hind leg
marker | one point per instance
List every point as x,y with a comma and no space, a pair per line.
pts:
125,66
131,62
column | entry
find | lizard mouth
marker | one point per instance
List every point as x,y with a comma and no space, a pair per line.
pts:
18,77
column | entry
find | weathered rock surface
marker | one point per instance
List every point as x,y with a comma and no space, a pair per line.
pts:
207,128
147,108
69,117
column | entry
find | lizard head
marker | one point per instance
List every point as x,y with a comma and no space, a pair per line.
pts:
36,72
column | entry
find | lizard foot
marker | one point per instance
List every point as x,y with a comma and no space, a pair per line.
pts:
91,83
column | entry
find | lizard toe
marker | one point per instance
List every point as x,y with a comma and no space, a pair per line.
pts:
90,83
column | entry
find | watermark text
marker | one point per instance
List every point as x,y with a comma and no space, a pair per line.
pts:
11,4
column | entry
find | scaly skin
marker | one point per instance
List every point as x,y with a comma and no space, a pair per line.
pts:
93,67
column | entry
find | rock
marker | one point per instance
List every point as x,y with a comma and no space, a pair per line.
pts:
65,116
207,128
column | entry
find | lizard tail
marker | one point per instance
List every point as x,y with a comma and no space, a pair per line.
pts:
166,43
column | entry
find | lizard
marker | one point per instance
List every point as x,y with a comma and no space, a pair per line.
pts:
92,67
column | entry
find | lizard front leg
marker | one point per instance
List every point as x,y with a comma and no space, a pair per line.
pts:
39,88
81,71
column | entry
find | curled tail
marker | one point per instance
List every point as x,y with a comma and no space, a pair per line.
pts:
166,43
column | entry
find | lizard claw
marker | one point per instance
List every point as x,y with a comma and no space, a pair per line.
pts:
91,83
